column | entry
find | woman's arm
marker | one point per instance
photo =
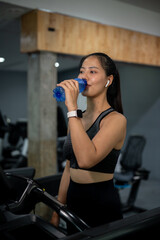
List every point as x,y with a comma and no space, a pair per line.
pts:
64,184
111,135
62,193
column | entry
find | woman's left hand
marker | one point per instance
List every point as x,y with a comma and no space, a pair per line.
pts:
71,88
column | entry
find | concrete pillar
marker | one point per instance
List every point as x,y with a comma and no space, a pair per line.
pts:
42,113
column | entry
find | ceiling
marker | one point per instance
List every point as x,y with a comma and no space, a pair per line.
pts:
152,5
10,36
10,41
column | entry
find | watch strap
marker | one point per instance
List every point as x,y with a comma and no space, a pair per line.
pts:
75,113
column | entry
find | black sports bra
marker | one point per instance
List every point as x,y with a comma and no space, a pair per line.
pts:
107,165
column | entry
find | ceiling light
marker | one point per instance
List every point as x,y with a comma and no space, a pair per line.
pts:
2,59
56,64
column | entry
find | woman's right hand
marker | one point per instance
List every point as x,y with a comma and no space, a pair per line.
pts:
71,88
55,219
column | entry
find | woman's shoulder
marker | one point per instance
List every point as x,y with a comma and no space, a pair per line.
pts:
114,118
118,115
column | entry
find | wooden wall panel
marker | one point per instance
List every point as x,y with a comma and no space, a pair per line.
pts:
70,35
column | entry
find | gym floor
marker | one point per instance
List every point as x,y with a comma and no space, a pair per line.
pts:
148,196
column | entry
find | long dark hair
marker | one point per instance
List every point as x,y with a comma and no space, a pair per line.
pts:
114,91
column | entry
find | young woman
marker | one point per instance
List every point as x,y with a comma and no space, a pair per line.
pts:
93,144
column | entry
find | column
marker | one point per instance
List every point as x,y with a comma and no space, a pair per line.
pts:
42,113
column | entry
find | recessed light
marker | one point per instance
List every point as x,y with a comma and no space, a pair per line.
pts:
56,64
2,59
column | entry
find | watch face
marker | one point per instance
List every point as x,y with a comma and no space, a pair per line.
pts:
79,113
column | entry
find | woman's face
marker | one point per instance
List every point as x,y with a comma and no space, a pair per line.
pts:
96,78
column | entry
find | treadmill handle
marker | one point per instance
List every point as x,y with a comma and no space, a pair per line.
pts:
61,209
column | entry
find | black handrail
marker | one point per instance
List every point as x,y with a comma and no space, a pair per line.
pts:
33,194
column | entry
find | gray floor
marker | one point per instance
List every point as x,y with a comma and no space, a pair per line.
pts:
148,196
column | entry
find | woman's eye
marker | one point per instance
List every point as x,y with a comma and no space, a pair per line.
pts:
93,72
81,72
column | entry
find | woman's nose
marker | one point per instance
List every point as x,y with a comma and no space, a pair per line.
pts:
84,76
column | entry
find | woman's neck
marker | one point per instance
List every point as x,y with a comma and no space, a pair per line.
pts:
97,105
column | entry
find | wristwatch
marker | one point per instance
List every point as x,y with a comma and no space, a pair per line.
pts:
77,113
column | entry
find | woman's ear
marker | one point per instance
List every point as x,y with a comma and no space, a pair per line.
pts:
107,84
109,80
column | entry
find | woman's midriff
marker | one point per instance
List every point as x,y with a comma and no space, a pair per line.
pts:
84,176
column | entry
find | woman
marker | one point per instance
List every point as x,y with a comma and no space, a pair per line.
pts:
93,144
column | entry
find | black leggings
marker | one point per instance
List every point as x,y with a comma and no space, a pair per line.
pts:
95,203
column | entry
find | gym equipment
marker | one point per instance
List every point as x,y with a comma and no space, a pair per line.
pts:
132,172
9,185
61,161
14,154
16,226
62,133
140,226
16,213
3,130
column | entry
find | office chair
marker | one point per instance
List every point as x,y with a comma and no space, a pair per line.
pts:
131,172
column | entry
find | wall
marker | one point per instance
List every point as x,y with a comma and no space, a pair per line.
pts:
148,126
140,86
13,94
141,101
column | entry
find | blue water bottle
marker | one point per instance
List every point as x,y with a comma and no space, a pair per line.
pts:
59,92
